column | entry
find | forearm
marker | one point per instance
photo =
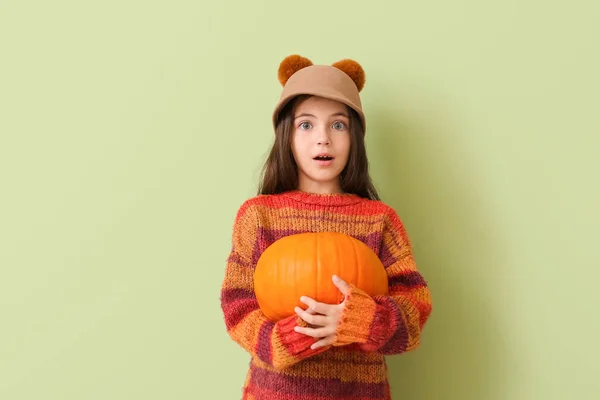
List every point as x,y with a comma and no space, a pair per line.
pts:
385,324
276,344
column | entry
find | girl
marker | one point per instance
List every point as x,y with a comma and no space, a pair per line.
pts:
316,179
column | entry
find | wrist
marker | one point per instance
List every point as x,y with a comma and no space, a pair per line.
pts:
355,322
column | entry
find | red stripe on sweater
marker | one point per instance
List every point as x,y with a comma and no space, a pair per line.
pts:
236,304
265,394
366,208
407,281
299,387
267,237
399,340
263,345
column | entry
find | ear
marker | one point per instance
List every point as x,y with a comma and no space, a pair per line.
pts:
290,65
353,70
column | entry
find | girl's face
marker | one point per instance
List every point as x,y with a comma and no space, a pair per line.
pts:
320,144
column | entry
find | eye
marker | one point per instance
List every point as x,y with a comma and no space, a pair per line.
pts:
338,125
305,125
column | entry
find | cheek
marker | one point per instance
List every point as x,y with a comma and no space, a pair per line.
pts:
299,146
345,146
295,145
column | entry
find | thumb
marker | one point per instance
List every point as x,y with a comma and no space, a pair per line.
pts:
342,285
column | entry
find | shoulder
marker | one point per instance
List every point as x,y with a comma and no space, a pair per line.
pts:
393,224
391,218
251,207
383,212
380,208
252,203
389,211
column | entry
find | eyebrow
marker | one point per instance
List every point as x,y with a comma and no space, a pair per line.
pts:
340,114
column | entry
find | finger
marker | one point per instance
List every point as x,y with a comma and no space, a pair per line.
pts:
341,284
320,308
315,332
313,319
313,312
310,310
322,343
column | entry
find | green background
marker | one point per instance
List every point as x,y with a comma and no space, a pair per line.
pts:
131,131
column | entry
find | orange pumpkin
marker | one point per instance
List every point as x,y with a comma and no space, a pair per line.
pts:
303,265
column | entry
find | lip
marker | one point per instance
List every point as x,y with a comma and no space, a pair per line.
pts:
324,163
324,155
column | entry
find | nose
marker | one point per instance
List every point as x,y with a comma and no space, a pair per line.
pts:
323,137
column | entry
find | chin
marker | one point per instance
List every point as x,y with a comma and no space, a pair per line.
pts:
323,178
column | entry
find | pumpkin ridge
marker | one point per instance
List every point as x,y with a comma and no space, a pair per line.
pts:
337,261
296,294
358,266
318,264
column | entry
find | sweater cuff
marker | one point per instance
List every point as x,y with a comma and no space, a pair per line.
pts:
355,322
296,344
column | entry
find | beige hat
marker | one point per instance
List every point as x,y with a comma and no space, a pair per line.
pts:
341,81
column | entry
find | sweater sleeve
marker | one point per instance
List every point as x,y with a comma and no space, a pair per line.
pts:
276,344
389,324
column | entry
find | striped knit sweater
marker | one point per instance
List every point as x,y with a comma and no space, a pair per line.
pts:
283,366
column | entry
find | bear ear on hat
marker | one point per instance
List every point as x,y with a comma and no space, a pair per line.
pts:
290,65
353,70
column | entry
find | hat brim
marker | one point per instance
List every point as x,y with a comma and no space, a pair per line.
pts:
342,99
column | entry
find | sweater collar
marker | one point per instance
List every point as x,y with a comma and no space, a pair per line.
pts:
335,199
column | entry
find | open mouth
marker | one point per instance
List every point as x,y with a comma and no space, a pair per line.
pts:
323,158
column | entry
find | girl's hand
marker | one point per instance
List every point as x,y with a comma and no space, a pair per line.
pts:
322,318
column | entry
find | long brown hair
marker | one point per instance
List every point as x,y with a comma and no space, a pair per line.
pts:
280,171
